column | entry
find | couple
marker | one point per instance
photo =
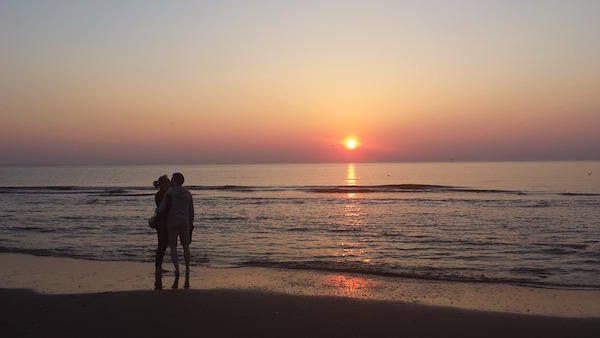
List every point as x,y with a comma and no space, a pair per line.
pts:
174,218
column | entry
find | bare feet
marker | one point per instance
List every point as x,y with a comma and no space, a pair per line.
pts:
186,285
158,280
176,281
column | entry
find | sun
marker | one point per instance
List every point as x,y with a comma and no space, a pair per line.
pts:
351,143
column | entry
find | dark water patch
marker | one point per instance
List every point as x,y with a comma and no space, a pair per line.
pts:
343,230
458,243
115,192
236,188
55,252
375,188
557,251
31,228
564,245
538,204
74,218
258,200
93,201
402,188
222,218
126,194
298,229
531,271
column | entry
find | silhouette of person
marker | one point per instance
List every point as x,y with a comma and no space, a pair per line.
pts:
162,184
179,206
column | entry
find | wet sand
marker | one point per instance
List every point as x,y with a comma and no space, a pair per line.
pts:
233,313
46,296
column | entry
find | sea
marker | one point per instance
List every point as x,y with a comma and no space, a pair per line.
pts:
525,223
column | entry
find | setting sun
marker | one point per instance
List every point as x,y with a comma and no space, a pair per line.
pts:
351,143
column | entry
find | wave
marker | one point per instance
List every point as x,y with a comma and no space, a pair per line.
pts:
425,273
359,268
319,189
402,188
120,190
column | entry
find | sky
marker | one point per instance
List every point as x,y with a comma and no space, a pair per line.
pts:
142,82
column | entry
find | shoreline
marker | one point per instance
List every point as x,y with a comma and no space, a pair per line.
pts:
283,267
56,276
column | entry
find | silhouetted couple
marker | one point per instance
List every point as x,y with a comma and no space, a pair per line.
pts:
174,218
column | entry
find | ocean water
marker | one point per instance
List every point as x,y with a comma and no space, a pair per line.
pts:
534,223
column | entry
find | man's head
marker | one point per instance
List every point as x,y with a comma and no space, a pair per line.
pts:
177,179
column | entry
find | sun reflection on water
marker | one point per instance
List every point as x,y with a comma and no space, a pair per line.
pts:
352,210
352,220
350,286
350,175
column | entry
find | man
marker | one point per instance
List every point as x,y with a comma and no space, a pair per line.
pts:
179,206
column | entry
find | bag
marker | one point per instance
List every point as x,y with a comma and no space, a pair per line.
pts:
153,222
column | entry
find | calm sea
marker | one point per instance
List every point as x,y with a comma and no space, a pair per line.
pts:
532,223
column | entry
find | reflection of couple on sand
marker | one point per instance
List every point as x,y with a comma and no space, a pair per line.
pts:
174,218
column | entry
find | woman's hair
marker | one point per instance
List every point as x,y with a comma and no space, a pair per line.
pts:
161,180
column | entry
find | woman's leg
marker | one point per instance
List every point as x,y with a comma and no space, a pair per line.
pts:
161,233
163,243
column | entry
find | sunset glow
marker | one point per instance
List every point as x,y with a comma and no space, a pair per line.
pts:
230,82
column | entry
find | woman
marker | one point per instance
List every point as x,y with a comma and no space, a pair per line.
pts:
162,184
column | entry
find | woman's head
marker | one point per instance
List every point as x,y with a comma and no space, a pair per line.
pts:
162,182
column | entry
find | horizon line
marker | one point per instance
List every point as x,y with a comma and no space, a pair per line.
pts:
276,163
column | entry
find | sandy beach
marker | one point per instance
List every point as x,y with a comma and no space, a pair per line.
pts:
47,296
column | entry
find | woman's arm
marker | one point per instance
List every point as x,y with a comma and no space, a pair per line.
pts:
157,199
163,207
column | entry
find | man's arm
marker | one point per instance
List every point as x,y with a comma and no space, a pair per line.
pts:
191,212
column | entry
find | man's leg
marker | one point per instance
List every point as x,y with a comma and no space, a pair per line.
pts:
174,258
185,242
175,261
186,257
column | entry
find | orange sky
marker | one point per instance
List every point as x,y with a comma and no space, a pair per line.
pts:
273,82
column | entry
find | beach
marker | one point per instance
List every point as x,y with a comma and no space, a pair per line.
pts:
49,296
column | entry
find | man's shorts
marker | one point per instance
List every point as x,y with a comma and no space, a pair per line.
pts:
178,227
